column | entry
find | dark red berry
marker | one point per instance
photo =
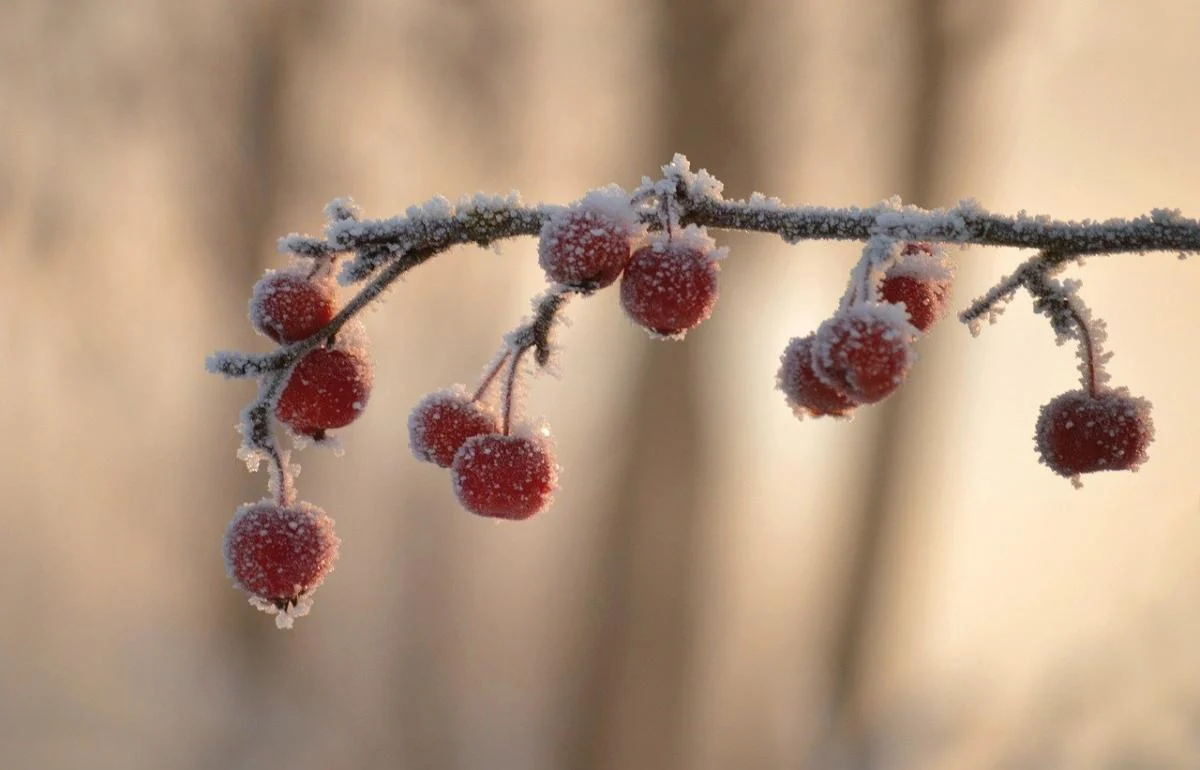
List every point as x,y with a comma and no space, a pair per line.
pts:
864,352
328,389
504,477
806,393
1080,432
925,302
287,307
670,286
584,247
279,554
920,280
442,422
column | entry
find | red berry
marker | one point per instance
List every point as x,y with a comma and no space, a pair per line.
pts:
443,421
1080,432
805,392
279,554
328,389
584,247
920,280
504,477
925,302
670,286
864,352
288,307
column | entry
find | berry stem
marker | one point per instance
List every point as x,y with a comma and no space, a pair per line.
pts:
282,484
546,310
1087,348
1059,302
665,203
877,255
534,334
510,384
490,375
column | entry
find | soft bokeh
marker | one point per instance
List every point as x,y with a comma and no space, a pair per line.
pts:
718,585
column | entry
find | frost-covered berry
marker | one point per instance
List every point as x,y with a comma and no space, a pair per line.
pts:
864,351
670,285
328,389
1080,432
920,280
806,393
442,422
287,307
587,246
280,555
504,477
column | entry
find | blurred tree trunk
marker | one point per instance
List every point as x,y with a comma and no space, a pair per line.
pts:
935,56
471,50
630,710
242,192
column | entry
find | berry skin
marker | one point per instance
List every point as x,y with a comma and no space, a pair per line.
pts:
584,248
1079,432
287,307
442,422
328,389
279,554
864,352
805,392
504,477
670,286
920,280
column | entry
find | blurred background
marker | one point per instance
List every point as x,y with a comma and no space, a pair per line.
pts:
718,585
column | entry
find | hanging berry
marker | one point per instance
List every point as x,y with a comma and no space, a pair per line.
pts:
328,389
864,352
670,285
505,477
443,421
289,307
920,280
1080,432
807,393
280,555
587,245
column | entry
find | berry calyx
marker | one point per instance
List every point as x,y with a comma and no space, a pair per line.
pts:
670,285
1080,432
864,352
287,307
280,555
587,246
805,391
443,421
504,477
920,280
328,389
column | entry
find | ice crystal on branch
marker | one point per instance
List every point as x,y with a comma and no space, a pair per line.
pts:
656,241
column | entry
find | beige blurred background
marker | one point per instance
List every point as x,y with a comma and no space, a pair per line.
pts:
718,585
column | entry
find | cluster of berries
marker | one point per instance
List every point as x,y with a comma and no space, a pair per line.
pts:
505,470
496,471
668,279
279,551
864,352
330,385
